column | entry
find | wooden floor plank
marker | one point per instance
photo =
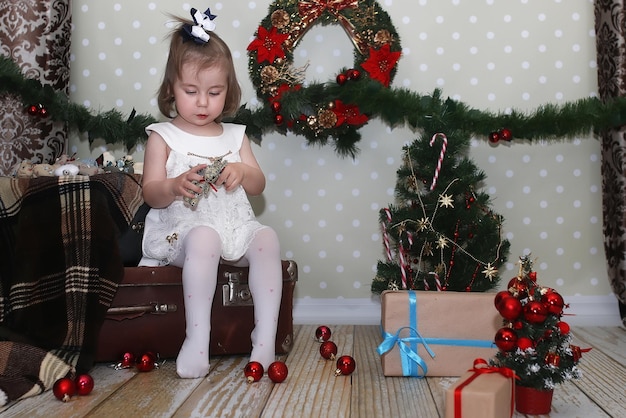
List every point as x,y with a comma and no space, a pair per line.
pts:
107,381
374,395
312,389
158,393
611,340
226,393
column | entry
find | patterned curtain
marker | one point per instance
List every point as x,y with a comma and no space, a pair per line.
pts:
36,35
610,28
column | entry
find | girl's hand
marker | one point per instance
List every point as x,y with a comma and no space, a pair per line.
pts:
183,184
232,176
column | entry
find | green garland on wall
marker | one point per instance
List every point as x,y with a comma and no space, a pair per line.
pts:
396,107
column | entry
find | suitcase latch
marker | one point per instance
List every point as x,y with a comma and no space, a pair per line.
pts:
235,293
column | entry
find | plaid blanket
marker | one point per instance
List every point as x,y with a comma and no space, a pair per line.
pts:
59,273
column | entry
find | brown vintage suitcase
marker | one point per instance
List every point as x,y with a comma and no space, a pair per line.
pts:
147,313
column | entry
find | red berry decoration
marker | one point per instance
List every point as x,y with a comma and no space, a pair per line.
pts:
253,371
33,110
276,106
554,302
43,112
279,119
505,134
277,371
328,350
146,362
510,308
506,339
535,312
345,366
84,384
322,333
64,389
341,79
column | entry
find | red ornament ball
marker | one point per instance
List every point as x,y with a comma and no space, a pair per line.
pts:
328,350
341,79
505,134
535,312
554,302
518,325
322,333
277,371
518,288
563,327
33,110
84,384
128,361
146,362
525,343
253,371
64,389
494,137
43,112
506,339
353,74
499,296
510,308
345,366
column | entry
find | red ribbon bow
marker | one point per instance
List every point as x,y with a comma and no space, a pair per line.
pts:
311,10
481,366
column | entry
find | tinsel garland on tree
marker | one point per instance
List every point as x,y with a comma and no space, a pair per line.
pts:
394,106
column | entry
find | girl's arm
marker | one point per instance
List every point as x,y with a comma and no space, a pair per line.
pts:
158,190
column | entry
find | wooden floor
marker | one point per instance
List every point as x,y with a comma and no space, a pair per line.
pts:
312,390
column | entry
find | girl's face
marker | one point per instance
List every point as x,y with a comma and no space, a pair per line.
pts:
199,95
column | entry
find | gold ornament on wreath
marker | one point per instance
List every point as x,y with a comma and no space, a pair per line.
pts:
322,110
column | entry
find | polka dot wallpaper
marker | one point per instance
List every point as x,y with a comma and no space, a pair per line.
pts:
494,55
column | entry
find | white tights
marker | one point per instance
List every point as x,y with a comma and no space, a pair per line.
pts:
199,259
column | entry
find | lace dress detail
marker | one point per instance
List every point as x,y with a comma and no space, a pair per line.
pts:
229,213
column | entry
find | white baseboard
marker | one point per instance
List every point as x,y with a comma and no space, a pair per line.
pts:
582,311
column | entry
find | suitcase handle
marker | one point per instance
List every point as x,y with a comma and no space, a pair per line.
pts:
153,308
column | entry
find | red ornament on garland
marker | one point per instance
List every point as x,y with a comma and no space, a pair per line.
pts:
277,371
84,384
279,119
253,371
506,339
345,366
525,343
494,137
328,350
505,134
322,333
276,106
341,79
33,110
353,74
43,112
64,389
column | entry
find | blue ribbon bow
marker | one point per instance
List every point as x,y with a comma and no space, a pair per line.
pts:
410,359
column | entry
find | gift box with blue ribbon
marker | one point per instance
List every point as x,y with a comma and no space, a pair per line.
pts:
430,333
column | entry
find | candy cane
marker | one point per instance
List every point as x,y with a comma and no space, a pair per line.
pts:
386,235
403,266
441,155
437,282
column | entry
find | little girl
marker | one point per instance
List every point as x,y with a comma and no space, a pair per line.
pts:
193,224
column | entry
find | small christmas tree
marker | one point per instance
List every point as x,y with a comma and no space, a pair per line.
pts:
441,234
534,342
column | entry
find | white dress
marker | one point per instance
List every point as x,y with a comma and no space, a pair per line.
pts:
229,213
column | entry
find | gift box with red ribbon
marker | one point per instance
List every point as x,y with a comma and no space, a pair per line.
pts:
482,392
429,333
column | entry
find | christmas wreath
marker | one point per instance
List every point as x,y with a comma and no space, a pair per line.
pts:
333,109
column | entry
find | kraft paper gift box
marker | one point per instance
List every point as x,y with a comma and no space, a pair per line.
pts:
483,392
429,333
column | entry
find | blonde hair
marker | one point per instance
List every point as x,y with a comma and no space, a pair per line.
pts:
184,50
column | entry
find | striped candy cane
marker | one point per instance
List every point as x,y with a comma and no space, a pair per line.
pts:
437,282
386,235
441,155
